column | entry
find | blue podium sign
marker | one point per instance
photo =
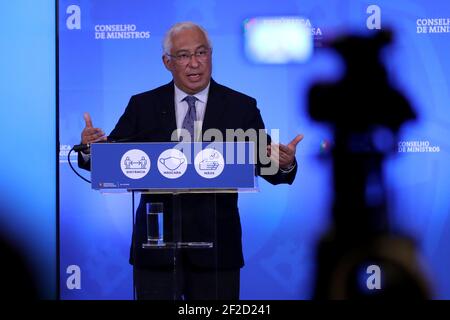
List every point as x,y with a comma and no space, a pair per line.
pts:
173,166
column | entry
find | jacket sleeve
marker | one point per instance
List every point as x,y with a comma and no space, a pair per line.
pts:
84,163
127,125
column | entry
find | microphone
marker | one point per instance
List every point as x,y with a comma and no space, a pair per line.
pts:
84,147
81,147
139,137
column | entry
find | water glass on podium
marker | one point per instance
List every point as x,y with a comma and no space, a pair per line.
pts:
155,223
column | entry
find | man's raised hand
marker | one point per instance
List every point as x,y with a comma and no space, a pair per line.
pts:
89,133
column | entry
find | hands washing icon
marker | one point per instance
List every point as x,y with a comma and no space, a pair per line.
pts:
172,163
208,165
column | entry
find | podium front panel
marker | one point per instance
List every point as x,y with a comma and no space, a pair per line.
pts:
173,166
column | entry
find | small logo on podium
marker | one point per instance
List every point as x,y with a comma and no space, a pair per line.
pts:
209,163
135,164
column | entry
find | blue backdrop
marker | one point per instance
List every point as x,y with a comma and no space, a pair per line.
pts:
281,224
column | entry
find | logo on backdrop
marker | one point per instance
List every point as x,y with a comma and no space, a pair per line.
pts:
119,31
374,20
417,147
135,164
172,163
433,25
73,21
316,31
105,31
209,163
64,152
74,279
373,282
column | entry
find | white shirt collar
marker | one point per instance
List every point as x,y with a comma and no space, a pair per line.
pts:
202,96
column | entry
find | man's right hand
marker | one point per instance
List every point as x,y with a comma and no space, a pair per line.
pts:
91,134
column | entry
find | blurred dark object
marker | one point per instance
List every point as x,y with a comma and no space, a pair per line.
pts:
17,281
365,113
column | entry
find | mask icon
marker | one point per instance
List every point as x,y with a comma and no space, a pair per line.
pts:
172,163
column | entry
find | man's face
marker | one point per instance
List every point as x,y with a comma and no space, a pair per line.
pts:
193,74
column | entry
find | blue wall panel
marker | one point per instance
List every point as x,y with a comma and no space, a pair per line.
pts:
27,116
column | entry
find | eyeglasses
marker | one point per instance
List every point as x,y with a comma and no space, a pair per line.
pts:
185,57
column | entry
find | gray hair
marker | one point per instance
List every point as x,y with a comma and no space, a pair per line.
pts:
167,43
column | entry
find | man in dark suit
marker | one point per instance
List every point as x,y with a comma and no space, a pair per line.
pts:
191,98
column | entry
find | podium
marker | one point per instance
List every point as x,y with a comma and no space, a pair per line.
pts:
189,181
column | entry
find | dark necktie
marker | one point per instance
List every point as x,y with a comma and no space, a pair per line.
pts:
191,116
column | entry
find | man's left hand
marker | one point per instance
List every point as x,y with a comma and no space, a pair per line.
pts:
284,154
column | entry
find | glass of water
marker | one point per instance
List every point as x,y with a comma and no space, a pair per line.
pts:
155,225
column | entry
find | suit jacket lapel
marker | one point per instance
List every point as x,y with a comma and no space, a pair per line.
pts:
166,111
215,108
